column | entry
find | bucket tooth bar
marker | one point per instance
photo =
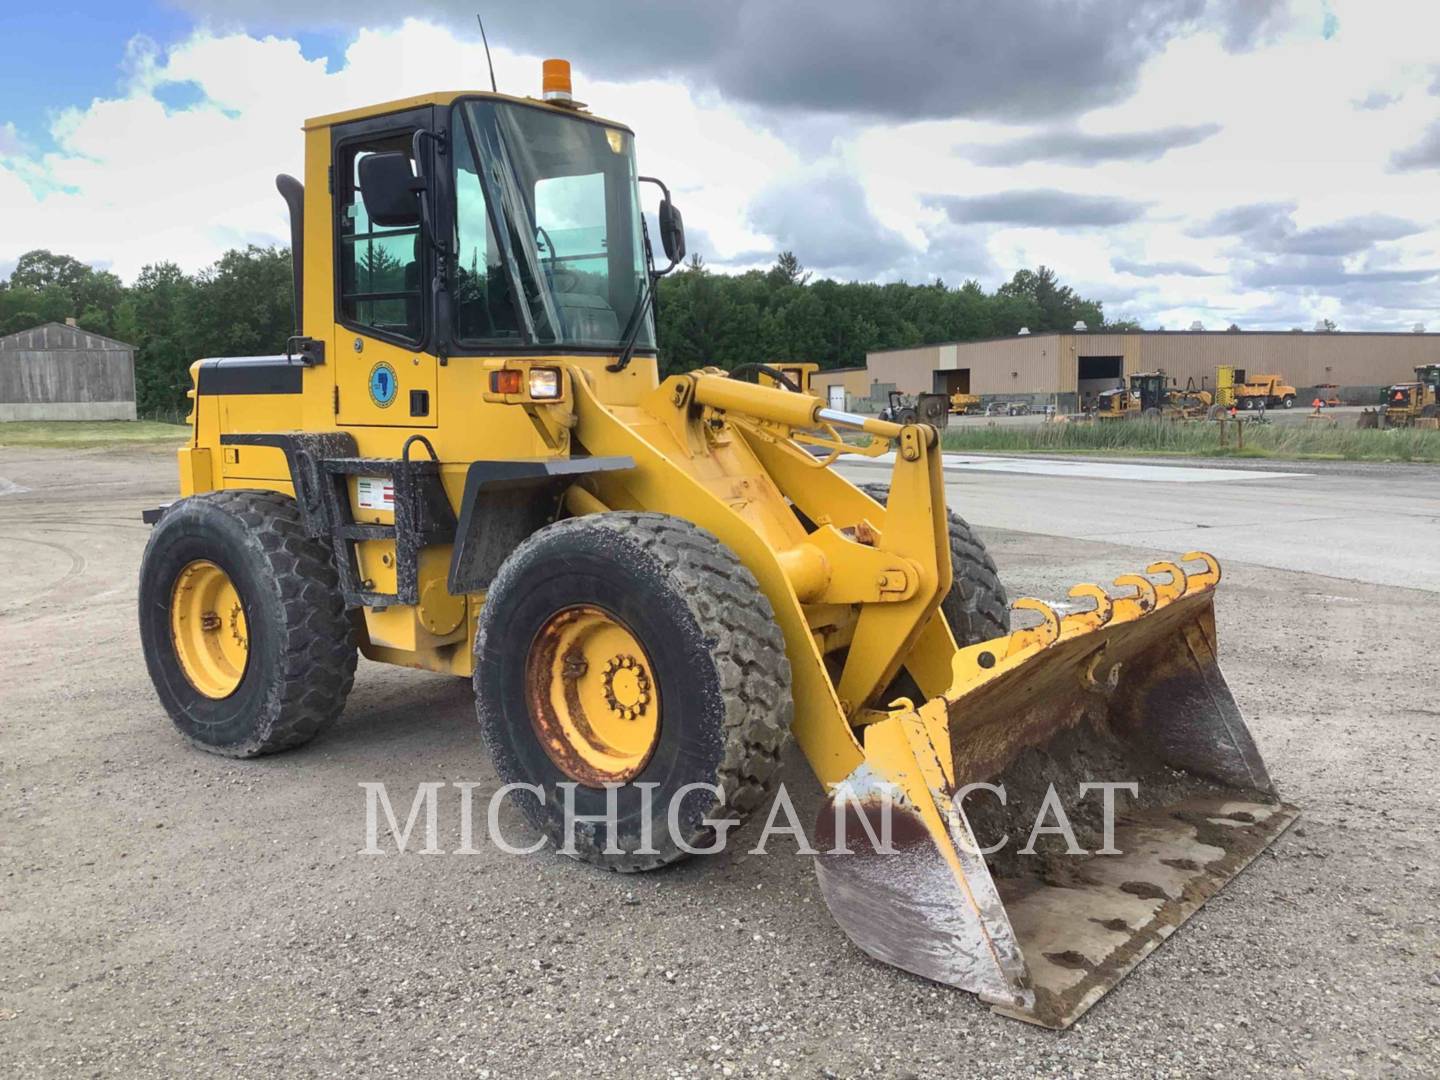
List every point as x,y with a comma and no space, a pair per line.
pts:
1135,671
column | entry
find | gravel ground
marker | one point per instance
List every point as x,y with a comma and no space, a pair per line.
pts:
165,912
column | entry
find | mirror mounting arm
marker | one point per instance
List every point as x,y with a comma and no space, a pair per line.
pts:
440,285
672,231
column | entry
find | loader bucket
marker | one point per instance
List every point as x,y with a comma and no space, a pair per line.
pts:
1126,691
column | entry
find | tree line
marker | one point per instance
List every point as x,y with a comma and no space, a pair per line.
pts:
241,306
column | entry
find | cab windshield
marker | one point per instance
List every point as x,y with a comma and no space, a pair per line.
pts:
548,241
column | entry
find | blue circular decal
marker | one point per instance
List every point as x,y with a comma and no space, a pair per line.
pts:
382,384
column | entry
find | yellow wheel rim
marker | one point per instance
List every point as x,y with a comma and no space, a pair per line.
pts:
594,699
207,624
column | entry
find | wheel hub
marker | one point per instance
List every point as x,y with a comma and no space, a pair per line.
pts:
593,698
627,687
208,629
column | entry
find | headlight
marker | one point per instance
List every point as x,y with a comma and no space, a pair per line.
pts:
544,383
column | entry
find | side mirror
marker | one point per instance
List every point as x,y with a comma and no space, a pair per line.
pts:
672,231
390,190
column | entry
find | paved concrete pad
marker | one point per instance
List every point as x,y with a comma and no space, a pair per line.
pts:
1094,469
1378,524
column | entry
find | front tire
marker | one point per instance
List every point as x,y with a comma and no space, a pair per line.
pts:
243,625
631,649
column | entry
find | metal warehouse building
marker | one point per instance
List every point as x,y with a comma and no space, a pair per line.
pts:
1061,367
60,372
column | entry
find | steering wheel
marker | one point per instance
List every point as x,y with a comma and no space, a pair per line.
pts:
549,245
552,261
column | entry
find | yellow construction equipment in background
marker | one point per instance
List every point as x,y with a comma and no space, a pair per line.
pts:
466,462
790,376
1411,404
1259,391
961,404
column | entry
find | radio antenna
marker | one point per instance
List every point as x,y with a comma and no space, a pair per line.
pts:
490,63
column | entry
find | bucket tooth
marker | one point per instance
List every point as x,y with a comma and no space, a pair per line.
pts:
1203,579
1081,622
1129,608
1046,633
1171,589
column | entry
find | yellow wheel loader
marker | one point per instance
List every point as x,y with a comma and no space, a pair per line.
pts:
465,462
1413,404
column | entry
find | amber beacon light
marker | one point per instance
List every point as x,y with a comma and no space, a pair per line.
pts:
555,80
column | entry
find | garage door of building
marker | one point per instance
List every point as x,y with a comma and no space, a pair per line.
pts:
836,394
953,382
1096,373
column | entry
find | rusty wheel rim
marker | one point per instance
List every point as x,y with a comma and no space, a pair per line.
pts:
593,697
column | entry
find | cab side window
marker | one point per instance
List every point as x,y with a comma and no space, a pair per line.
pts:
380,272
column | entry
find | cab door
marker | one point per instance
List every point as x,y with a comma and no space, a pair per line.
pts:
384,353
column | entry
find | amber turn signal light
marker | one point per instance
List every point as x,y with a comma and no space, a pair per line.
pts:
506,381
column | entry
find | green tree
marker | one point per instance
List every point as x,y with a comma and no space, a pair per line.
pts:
39,268
787,271
242,305
154,319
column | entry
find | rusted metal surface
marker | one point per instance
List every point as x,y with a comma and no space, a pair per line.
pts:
561,704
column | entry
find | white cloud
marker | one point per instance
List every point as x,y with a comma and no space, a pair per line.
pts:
133,182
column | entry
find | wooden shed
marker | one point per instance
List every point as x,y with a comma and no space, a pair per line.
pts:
58,371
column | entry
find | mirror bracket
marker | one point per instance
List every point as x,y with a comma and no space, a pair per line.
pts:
672,226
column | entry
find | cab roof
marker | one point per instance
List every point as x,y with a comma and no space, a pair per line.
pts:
449,97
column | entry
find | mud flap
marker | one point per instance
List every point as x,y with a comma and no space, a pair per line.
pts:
1128,691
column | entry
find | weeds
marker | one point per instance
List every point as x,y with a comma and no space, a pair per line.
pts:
1294,441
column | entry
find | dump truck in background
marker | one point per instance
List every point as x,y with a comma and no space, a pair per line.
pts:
467,462
1262,391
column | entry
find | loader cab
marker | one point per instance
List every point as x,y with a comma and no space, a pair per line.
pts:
1149,389
1428,375
1112,402
468,225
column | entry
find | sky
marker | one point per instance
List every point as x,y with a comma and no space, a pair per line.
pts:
1266,162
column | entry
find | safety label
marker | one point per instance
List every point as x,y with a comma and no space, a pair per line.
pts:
375,492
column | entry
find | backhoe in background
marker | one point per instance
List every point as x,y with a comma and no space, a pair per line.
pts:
465,462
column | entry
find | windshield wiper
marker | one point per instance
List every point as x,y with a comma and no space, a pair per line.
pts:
633,325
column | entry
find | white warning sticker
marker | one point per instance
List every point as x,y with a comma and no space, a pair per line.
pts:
375,492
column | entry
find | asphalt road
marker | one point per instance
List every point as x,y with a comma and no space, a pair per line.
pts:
164,912
1346,416
1373,523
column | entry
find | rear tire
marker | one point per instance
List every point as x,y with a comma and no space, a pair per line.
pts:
712,655
299,644
976,607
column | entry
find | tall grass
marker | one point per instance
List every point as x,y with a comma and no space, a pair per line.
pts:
1294,441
